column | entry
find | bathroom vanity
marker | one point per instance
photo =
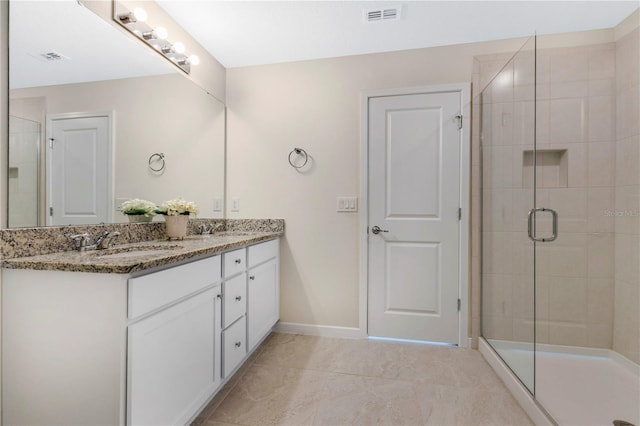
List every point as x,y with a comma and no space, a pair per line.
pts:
139,334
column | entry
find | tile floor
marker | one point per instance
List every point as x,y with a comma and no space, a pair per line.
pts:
306,380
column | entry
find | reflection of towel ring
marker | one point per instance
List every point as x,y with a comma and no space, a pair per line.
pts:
157,157
301,152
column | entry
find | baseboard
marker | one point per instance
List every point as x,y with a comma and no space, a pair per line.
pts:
319,330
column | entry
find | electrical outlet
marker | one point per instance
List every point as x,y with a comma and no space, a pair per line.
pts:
347,204
217,204
235,204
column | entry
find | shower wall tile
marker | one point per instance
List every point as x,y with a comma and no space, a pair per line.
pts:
601,119
542,122
601,164
604,87
627,160
566,257
600,255
567,299
627,267
600,336
627,60
600,204
568,89
602,62
571,205
567,120
568,334
627,112
627,210
568,64
600,296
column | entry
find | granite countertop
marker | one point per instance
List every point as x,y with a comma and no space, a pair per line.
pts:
128,258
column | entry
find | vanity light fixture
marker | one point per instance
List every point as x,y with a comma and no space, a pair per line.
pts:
135,23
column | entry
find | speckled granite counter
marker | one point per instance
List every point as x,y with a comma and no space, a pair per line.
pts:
143,246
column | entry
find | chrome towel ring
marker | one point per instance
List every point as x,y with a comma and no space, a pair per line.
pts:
158,157
299,152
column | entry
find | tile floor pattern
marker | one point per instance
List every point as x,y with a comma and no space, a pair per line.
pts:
307,380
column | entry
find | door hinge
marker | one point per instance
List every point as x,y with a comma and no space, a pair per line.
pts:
50,211
459,213
459,117
459,305
51,143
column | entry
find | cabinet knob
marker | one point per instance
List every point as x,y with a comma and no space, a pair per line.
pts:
238,298
220,296
238,344
252,277
238,261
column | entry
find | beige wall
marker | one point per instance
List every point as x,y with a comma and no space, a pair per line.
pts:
167,114
626,328
315,105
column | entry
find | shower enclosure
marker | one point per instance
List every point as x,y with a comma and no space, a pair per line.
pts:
560,226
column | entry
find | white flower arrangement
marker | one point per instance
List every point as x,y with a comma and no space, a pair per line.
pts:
177,207
139,207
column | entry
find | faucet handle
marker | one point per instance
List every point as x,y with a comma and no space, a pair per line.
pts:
204,229
80,241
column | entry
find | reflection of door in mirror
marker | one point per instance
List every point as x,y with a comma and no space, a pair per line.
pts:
79,169
24,143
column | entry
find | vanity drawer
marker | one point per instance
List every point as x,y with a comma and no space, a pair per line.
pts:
234,345
152,291
234,262
234,299
262,252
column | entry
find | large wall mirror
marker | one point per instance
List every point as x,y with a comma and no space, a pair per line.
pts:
96,118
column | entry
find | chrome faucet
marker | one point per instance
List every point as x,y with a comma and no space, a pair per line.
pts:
206,229
84,242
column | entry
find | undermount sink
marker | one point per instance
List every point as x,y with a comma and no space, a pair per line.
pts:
135,251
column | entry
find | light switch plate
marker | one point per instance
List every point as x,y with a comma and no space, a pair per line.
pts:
347,204
235,204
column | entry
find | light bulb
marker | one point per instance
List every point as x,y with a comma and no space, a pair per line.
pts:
194,59
140,14
161,33
178,47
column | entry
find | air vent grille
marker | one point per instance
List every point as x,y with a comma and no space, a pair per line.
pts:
52,56
382,14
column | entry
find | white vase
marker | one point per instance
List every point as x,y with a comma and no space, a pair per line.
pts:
176,226
138,218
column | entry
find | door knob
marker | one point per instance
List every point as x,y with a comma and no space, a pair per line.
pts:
376,230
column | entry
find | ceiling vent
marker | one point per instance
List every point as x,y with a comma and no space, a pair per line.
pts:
51,56
383,14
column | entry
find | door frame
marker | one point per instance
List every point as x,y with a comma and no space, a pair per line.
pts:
464,253
50,118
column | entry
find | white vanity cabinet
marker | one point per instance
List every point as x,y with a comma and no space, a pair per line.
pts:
173,343
263,291
81,348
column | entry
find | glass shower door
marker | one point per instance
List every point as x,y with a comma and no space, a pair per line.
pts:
508,130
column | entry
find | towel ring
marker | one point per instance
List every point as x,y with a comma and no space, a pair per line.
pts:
157,157
300,152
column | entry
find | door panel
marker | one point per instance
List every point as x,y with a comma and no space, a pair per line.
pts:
79,189
414,196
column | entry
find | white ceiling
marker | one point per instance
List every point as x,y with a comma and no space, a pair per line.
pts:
243,33
93,50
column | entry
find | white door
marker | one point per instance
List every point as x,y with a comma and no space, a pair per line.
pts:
414,198
79,174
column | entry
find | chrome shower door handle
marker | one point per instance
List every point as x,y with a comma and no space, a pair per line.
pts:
554,224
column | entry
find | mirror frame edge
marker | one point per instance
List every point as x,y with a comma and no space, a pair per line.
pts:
4,113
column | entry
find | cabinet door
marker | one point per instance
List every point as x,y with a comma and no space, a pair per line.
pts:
173,361
262,301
